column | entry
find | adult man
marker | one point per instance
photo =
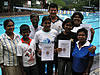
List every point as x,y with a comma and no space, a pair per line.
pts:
34,27
56,22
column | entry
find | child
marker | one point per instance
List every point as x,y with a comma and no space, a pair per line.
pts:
26,52
45,36
65,62
82,57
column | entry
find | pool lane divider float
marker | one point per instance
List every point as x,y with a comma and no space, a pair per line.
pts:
46,10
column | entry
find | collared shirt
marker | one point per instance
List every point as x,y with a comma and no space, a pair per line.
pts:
86,44
57,25
27,51
8,50
33,31
81,57
75,29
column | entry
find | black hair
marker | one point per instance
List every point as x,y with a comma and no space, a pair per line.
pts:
6,22
66,21
45,18
77,13
53,5
83,30
34,15
24,27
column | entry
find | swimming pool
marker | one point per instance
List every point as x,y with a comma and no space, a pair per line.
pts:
92,18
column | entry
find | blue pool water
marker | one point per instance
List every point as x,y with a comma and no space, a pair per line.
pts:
92,18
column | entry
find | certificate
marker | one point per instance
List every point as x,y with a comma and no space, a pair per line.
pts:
88,27
66,48
47,52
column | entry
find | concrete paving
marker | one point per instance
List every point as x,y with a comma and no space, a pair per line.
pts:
95,69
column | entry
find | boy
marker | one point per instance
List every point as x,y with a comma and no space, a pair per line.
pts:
26,52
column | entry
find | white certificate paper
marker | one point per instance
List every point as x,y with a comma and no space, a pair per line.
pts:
66,48
88,27
47,52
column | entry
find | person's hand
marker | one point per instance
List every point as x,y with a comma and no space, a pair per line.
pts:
39,51
85,73
92,31
92,49
55,50
59,49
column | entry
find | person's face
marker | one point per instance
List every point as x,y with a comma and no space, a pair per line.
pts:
53,12
68,27
81,37
35,21
10,27
46,25
25,34
77,20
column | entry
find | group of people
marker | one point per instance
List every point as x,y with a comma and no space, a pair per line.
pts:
22,56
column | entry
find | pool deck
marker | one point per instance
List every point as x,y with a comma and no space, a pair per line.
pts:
25,13
95,69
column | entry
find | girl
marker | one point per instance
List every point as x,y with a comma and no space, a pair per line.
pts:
45,36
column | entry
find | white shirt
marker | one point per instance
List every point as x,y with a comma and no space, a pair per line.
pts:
27,52
75,29
86,44
33,31
57,25
45,37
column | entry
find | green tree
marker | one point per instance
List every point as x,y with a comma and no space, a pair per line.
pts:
59,2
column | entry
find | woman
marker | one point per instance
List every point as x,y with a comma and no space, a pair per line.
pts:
82,57
8,48
77,18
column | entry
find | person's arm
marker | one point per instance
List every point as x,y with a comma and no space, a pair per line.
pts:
3,69
92,34
91,58
21,64
20,57
57,50
92,49
1,59
38,50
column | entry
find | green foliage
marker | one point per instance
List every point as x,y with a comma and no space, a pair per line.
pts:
59,2
79,5
95,3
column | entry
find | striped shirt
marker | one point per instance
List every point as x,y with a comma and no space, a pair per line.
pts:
8,50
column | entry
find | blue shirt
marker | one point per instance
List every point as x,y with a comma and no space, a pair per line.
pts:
81,57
